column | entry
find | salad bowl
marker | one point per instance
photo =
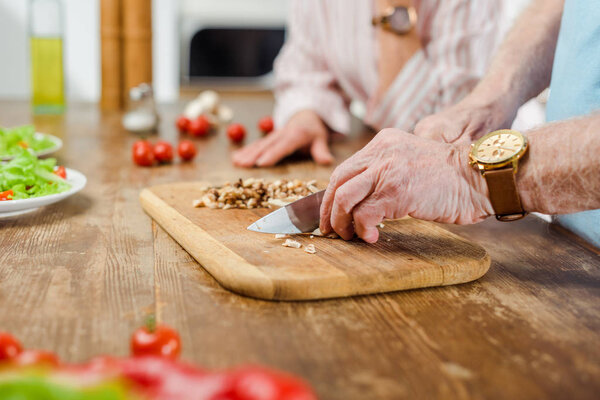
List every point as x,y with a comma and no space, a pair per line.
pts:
10,208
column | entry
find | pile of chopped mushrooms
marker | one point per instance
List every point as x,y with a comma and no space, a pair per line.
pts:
255,193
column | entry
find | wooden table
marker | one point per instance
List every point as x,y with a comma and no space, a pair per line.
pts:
79,276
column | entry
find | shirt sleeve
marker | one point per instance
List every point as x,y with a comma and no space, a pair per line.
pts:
459,38
302,77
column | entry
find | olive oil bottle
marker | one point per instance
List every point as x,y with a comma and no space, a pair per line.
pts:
46,42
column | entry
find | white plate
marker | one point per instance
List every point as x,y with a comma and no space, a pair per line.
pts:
57,146
10,208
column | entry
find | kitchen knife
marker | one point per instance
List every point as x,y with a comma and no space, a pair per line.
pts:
301,216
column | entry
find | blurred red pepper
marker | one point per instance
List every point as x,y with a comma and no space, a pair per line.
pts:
6,195
36,358
61,171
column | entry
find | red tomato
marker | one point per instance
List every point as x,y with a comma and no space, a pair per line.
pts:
236,132
161,340
183,123
142,153
36,357
200,126
186,150
265,124
61,171
6,195
163,152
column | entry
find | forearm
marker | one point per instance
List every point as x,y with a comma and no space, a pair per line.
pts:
561,173
522,66
303,80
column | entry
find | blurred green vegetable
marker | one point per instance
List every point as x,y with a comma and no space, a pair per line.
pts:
13,140
27,176
34,387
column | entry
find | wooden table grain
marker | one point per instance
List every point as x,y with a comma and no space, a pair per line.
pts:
79,276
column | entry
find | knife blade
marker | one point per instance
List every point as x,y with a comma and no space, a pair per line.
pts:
301,216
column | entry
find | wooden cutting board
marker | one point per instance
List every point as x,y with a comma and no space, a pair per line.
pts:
409,254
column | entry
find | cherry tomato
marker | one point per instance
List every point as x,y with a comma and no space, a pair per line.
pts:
163,152
265,124
186,150
199,127
36,357
9,346
142,153
183,123
156,340
61,171
6,195
236,132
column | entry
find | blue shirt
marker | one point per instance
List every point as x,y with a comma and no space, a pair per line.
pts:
575,87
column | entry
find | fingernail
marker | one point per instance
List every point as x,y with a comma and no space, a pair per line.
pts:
371,236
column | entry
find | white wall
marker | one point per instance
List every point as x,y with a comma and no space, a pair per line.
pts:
165,50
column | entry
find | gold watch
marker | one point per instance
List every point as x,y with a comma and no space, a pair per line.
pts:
399,20
496,156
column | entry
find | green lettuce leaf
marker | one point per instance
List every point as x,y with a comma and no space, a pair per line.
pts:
27,176
11,138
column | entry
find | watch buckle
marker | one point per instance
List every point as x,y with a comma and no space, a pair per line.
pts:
511,217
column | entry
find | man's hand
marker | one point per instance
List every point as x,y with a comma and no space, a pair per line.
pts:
467,120
399,174
305,130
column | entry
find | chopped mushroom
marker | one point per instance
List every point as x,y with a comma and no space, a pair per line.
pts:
292,243
310,248
317,232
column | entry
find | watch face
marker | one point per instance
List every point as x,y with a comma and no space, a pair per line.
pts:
400,20
499,146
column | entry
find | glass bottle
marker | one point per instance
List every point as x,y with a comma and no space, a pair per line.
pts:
46,41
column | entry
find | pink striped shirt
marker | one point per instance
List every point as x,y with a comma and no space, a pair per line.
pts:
330,58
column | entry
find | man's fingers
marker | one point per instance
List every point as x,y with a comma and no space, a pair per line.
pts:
319,150
346,198
367,215
247,156
344,172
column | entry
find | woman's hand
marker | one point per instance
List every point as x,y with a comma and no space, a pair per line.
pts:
399,174
305,130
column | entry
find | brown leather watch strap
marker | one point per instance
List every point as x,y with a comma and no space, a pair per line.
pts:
505,199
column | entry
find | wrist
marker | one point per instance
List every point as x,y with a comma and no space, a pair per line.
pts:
309,120
500,109
525,188
500,95
479,190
